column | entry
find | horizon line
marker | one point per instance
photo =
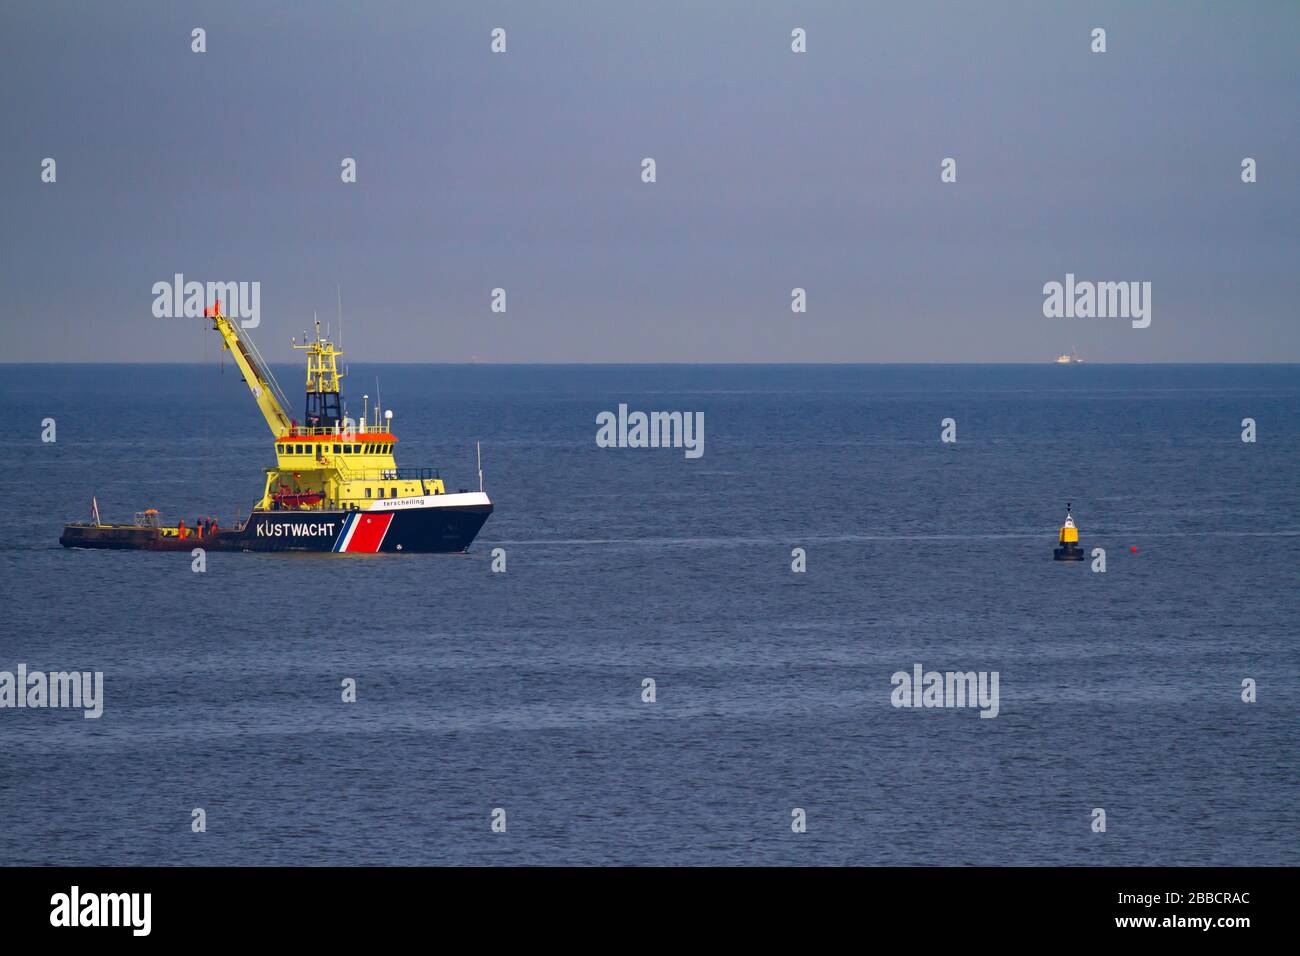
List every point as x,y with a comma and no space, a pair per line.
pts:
758,364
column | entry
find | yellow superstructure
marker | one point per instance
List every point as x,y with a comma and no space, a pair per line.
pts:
331,461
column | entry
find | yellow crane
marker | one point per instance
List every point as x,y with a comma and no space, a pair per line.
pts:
256,373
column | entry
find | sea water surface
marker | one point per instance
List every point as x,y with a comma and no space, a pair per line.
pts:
523,690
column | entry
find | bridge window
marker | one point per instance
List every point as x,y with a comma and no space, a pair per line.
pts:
381,493
368,495
337,449
394,491
297,449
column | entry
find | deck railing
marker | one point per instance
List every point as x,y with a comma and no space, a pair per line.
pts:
302,431
391,474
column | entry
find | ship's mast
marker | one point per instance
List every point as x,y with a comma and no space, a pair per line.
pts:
324,409
256,375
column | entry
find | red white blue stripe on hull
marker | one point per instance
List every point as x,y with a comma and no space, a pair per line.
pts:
363,532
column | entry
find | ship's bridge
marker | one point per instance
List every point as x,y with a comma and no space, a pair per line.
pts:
317,447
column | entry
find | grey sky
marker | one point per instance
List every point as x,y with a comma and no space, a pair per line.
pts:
775,170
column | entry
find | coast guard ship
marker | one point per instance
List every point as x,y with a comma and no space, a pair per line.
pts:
335,488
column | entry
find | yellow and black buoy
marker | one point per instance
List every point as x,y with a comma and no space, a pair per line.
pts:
1069,540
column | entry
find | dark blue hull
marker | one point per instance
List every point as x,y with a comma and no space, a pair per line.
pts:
446,528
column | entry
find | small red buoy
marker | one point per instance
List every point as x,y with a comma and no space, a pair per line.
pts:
1133,548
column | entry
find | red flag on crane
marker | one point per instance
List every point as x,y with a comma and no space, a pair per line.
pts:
213,310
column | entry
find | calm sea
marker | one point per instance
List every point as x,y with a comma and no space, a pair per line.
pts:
523,690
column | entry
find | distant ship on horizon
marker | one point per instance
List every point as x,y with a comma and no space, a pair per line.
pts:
1071,359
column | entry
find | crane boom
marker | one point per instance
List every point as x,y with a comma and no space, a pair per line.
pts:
256,375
